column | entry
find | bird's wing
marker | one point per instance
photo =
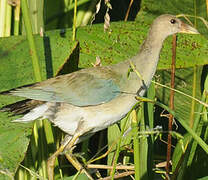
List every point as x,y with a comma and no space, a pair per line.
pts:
80,89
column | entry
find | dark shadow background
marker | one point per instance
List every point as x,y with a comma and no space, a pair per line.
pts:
60,19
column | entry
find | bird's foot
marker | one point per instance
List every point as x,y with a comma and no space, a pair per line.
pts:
77,165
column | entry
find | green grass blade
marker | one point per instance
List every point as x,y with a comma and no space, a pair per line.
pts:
33,50
186,126
137,154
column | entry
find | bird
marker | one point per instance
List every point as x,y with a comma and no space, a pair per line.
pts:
89,100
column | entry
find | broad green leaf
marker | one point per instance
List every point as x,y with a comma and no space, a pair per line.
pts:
14,139
183,83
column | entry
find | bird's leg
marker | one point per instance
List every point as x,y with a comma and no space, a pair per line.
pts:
51,162
68,144
72,159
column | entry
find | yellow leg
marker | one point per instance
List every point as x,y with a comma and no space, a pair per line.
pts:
51,163
73,160
68,145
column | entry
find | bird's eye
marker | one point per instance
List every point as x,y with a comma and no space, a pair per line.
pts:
172,21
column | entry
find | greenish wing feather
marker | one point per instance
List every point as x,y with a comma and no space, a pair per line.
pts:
80,89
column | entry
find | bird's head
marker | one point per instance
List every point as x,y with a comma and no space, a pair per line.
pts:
169,24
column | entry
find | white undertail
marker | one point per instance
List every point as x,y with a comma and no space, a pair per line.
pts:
33,114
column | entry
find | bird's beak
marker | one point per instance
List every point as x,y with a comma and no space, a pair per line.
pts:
185,28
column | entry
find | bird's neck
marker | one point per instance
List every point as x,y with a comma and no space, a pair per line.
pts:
148,56
152,45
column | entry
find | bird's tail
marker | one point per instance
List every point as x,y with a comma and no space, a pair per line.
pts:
31,109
